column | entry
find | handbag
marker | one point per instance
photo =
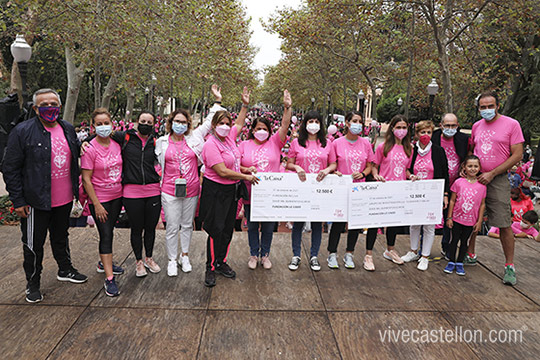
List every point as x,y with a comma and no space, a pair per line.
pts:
76,209
241,191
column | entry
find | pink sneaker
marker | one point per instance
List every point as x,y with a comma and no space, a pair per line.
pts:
151,265
393,256
140,271
265,261
252,263
368,263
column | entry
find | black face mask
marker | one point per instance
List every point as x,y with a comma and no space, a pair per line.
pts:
144,129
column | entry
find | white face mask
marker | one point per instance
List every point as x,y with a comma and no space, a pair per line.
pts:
313,128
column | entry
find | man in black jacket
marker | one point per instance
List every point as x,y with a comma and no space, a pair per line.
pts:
41,173
456,146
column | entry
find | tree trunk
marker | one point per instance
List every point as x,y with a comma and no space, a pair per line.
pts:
97,84
75,75
130,103
109,91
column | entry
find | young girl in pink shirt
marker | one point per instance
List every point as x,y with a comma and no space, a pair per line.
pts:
261,153
465,211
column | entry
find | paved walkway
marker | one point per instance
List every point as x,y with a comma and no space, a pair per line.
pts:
275,314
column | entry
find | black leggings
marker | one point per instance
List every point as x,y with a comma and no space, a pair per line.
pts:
461,234
143,214
335,233
391,233
106,229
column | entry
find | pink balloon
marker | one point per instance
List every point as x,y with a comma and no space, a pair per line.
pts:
294,119
332,129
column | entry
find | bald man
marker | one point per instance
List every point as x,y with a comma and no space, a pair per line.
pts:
456,146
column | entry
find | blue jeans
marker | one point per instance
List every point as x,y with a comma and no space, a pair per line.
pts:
259,247
316,235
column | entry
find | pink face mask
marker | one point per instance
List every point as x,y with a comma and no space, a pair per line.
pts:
261,135
400,133
223,130
425,139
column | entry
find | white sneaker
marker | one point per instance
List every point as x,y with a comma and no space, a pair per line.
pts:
314,263
410,256
423,264
172,268
185,264
295,263
332,261
348,260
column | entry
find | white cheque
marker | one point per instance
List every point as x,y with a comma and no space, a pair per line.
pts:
395,203
283,197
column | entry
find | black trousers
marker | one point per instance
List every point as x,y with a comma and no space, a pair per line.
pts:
106,229
460,234
391,233
335,233
143,215
34,232
218,210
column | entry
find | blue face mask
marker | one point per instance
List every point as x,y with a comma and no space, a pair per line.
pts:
449,132
488,114
355,128
104,130
178,128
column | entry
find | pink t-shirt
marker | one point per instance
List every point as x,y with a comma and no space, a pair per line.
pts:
179,154
520,207
106,163
265,157
517,229
215,152
423,166
392,167
61,189
492,140
452,157
351,157
312,158
138,191
468,200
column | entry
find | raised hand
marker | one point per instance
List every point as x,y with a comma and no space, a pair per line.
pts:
287,102
245,96
216,91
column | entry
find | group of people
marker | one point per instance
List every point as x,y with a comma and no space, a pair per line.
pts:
208,169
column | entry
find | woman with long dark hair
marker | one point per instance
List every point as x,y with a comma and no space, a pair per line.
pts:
261,152
391,160
309,153
354,155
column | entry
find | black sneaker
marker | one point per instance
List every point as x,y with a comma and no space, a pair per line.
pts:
225,270
116,270
111,289
33,295
72,276
210,278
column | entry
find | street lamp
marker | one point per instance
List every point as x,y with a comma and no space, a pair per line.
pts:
432,89
154,80
22,52
312,103
360,101
400,101
146,93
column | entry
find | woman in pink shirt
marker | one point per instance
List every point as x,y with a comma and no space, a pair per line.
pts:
428,162
221,189
354,156
101,167
391,160
179,156
309,153
262,153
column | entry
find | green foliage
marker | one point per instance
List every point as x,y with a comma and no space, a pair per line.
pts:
7,213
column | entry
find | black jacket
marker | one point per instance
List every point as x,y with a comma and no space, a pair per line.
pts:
461,143
440,164
27,163
138,165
